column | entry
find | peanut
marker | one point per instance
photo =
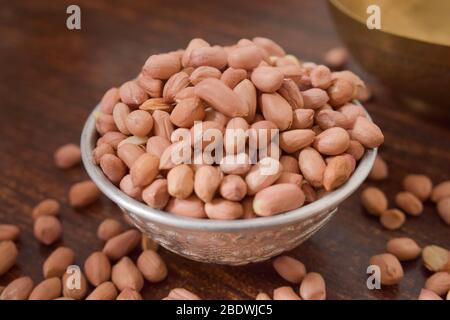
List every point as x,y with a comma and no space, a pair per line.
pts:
67,156
105,291
392,219
441,190
277,199
156,195
332,141
97,268
221,97
48,289
267,79
290,269
8,256
367,133
83,193
122,244
125,274
47,229
418,184
403,248
374,201
190,207
222,209
18,289
233,188
152,266
9,232
108,229
57,262
443,208
313,287
439,283
426,294
436,258
391,270
285,293
409,203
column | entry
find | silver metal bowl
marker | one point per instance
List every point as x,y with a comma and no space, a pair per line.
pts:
235,242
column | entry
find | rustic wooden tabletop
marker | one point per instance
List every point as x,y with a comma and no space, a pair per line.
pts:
52,77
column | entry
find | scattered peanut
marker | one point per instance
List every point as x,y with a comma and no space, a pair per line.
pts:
403,248
391,270
67,156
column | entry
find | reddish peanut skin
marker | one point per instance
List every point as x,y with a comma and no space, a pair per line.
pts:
144,170
129,153
221,97
312,166
191,207
152,267
126,185
247,57
267,79
409,203
222,209
290,164
277,110
67,156
8,254
181,294
57,262
132,94
109,100
367,133
278,198
100,151
233,188
426,294
285,293
108,229
9,232
156,195
443,209
418,184
289,269
122,244
47,229
392,219
231,77
332,141
162,66
313,287
439,283
83,194
105,291
441,190
403,248
374,201
390,268
113,168
18,289
380,170
97,268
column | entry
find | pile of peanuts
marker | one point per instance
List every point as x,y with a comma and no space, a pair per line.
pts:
418,188
252,87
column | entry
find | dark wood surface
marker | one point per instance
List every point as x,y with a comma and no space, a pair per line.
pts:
51,78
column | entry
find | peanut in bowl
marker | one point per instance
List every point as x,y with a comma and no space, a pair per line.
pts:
190,100
232,242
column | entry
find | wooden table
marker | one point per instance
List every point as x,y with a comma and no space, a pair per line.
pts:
52,77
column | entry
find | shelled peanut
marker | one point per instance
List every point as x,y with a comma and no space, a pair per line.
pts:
201,128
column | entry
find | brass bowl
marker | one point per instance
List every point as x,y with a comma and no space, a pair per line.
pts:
411,52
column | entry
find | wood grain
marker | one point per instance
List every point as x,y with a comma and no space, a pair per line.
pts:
52,77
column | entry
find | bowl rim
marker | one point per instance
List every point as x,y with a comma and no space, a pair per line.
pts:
328,202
